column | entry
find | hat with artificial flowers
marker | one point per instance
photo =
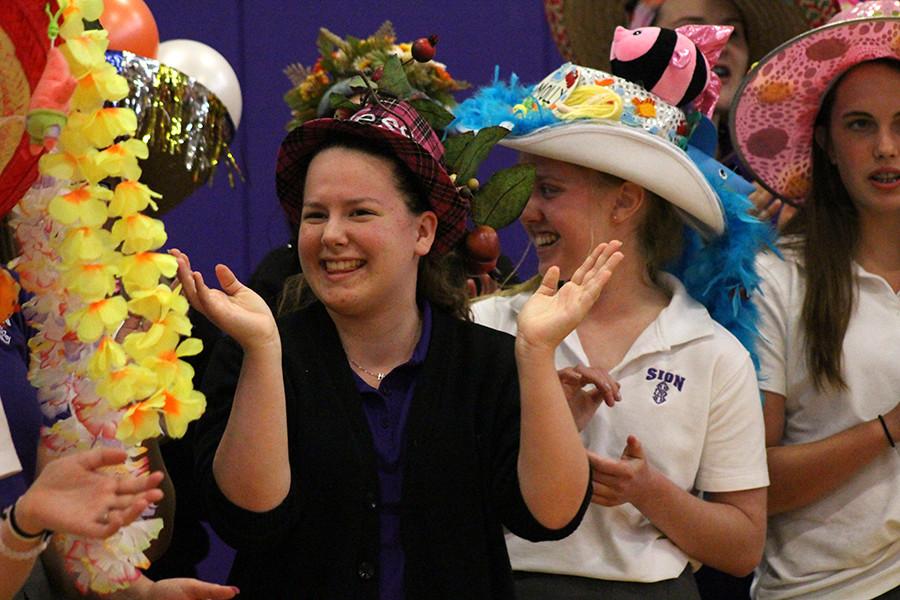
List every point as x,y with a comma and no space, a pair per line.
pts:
408,137
597,120
773,120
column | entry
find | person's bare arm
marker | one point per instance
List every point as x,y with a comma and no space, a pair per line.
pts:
251,465
803,473
552,465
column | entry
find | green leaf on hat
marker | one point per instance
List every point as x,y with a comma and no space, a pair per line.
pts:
393,80
357,82
337,101
436,115
453,148
466,164
502,199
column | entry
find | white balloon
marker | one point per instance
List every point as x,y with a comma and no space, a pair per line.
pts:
207,66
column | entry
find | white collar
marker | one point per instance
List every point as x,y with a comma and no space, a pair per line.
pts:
681,321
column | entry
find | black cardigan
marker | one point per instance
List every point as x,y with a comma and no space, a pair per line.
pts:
460,484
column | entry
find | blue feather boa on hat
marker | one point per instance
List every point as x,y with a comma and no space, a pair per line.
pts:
721,273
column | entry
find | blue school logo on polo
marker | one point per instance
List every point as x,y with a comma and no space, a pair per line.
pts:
667,380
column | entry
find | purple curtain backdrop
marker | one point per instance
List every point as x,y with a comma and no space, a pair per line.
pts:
238,226
259,38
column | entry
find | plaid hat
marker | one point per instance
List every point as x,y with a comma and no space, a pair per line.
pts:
407,135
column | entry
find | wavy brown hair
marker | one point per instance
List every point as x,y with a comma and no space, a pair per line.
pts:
440,279
828,235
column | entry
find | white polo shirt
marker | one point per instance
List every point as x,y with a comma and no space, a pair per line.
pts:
9,460
689,394
846,544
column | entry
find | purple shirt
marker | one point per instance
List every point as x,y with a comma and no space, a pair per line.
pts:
386,409
20,403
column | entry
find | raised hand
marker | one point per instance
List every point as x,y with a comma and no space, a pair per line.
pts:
551,314
626,479
583,403
73,495
235,309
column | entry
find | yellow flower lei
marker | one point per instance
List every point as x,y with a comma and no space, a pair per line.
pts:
89,259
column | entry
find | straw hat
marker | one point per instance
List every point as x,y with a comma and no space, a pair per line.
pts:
583,29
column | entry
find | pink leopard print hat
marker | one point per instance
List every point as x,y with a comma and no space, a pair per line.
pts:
775,109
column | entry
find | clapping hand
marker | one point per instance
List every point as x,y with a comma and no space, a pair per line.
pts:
73,495
626,479
551,314
586,388
235,309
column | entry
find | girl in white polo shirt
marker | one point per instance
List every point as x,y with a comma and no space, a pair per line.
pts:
830,326
678,466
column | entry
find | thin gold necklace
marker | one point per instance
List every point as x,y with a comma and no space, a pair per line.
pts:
378,376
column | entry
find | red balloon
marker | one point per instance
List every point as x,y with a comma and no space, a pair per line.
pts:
130,26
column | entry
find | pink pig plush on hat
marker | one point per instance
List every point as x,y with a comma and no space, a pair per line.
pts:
676,65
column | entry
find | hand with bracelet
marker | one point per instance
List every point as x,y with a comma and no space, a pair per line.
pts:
71,495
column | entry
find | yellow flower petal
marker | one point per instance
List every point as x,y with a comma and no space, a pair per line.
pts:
142,271
72,26
82,244
181,405
85,51
156,303
90,281
72,139
75,167
120,160
98,85
125,385
75,13
158,339
141,421
112,312
106,124
83,204
138,233
109,356
87,325
190,347
92,320
90,9
131,197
